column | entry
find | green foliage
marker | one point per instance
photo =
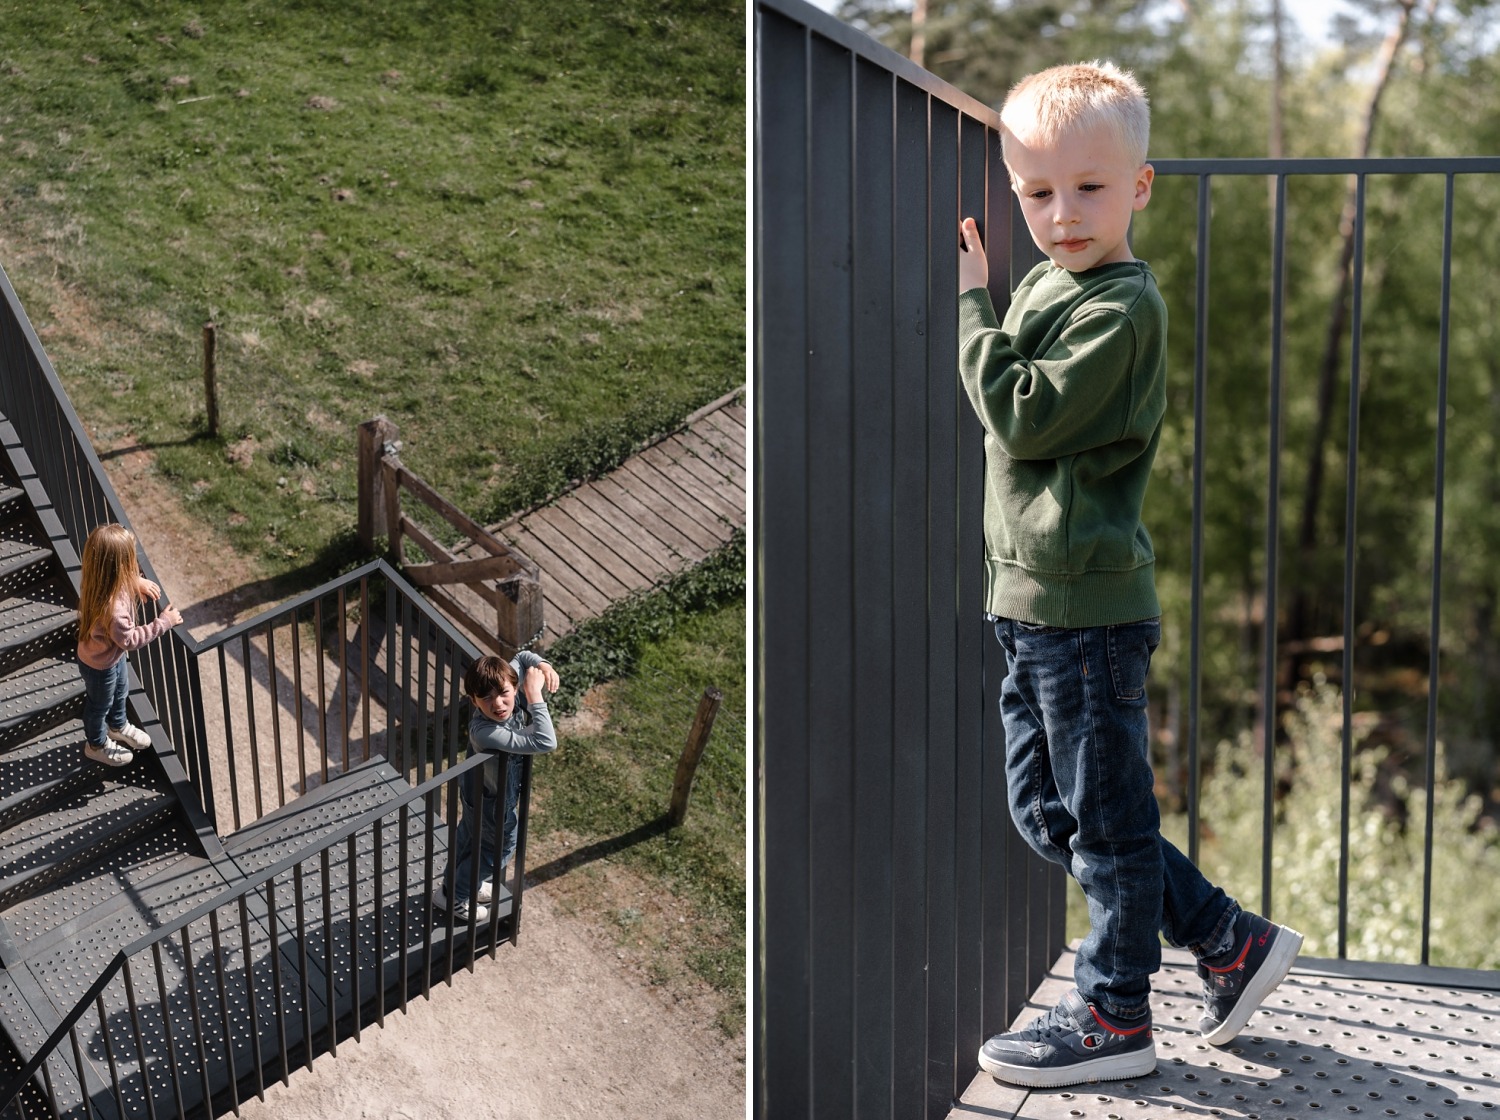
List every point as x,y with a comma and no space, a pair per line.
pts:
609,646
1387,833
503,228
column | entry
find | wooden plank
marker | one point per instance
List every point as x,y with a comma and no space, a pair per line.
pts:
666,485
559,582
645,536
649,570
722,475
645,485
725,434
459,571
706,480
658,458
594,560
613,491
452,514
593,586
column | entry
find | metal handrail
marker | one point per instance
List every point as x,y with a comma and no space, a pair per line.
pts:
14,1087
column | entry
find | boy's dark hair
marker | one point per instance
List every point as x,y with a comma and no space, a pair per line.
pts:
488,676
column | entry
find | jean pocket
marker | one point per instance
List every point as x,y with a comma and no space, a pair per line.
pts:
1130,648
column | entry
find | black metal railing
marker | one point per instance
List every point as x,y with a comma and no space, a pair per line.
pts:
902,920
261,979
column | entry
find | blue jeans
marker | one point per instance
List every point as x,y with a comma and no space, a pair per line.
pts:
472,793
104,695
1078,771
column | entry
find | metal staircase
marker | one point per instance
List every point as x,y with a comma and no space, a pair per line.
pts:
161,955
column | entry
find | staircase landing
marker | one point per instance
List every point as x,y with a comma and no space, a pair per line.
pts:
1329,1041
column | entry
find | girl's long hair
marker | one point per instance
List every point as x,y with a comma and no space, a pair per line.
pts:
109,567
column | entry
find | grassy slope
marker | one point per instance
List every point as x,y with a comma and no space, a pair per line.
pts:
515,229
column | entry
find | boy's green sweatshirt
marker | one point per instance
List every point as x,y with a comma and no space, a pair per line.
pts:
1071,390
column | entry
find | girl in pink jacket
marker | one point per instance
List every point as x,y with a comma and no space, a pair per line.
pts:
112,587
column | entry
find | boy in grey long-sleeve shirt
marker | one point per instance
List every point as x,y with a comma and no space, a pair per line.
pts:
511,717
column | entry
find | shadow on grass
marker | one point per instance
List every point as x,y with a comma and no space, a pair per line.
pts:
599,849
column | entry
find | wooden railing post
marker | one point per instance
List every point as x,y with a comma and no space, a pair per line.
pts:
687,765
374,435
518,612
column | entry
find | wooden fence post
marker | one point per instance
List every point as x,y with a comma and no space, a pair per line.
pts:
687,765
374,435
518,612
211,377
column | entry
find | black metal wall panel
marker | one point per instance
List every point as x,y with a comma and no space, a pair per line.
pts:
892,940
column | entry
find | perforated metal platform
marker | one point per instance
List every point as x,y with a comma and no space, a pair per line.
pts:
1322,1045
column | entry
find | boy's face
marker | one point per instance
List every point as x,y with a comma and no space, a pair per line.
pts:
499,706
1078,195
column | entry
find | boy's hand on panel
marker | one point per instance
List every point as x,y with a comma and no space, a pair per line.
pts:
973,266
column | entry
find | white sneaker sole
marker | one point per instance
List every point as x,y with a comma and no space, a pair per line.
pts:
1272,972
1138,1063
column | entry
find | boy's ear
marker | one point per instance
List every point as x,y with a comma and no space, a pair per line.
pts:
1143,180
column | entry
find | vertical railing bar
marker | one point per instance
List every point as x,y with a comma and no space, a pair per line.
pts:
389,615
377,830
322,691
255,1051
1435,638
421,702
329,994
275,708
108,1053
1351,499
229,754
297,698
83,1085
303,988
1200,426
430,828
166,1029
359,1002
1273,543
523,817
343,647
260,810
140,1043
273,928
408,748
404,876
224,1016
109,1050
364,658
51,1090
192,985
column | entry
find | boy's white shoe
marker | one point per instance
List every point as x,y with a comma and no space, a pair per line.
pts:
131,735
460,909
111,754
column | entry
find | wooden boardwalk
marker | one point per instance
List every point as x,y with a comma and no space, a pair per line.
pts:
663,510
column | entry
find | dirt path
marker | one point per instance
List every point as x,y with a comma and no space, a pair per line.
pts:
562,1026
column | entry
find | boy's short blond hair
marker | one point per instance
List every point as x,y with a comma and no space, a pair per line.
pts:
1043,106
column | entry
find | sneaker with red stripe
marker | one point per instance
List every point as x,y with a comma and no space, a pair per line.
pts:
1073,1043
1235,984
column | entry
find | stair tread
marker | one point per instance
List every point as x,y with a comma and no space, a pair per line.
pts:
37,687
73,825
20,545
33,772
43,608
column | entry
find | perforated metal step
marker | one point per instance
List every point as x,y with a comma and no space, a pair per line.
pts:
38,619
22,550
1321,1045
38,772
40,696
75,831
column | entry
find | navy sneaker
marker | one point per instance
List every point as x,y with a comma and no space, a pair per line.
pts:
1235,984
1071,1044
